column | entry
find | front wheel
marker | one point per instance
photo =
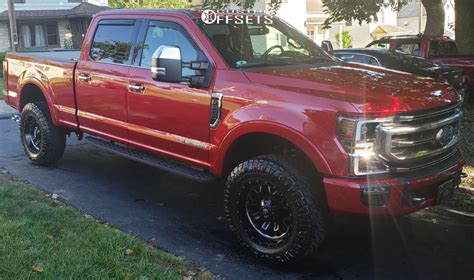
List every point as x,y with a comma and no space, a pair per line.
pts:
43,142
274,211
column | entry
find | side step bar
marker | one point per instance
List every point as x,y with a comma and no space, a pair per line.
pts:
171,166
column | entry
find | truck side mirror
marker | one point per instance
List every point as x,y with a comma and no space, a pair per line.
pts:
166,64
327,47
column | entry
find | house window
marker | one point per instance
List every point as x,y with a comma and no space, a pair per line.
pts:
38,35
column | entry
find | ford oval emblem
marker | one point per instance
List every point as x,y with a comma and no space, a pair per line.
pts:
445,135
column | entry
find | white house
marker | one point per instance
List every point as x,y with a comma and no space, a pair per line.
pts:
362,34
49,23
409,17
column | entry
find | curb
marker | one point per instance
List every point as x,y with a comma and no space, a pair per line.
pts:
5,116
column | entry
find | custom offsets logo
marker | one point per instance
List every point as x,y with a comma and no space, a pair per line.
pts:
235,17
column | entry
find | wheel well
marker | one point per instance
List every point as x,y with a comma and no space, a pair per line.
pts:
258,144
30,94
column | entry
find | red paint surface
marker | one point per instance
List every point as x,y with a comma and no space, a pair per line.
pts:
465,62
301,105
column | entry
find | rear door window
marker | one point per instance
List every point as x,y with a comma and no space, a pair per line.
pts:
443,48
113,41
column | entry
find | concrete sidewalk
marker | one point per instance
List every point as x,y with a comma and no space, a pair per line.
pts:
6,111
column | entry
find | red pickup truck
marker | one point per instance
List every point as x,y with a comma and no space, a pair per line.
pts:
439,49
297,135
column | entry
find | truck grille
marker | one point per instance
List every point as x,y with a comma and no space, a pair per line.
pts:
412,139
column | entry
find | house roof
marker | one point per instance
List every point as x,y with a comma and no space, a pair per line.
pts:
81,10
387,29
412,9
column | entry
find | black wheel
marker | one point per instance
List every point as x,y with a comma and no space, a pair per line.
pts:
43,142
274,210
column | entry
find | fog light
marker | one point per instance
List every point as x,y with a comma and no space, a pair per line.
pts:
375,195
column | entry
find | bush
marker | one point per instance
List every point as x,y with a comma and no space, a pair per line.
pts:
2,57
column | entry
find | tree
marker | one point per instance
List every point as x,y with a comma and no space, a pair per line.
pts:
165,4
366,10
464,25
346,39
274,5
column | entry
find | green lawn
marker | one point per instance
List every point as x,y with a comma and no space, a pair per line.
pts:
41,237
1,88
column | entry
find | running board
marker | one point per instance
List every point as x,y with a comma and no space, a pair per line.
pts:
171,166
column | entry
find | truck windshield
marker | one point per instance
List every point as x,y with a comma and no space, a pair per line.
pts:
259,44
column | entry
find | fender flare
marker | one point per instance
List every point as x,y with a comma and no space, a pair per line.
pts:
278,130
44,90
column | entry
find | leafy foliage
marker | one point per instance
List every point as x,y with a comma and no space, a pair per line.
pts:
274,5
148,4
360,10
346,39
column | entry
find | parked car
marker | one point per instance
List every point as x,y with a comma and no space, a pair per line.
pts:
401,61
296,134
441,50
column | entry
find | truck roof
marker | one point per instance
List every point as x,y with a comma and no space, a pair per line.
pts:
419,36
145,12
193,13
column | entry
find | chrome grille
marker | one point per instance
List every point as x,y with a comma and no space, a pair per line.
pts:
417,137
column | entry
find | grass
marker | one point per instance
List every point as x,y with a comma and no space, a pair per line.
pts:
1,88
41,237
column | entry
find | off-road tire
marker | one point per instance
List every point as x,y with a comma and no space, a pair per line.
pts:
53,138
306,200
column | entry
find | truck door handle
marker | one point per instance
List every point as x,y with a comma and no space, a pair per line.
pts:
136,88
84,77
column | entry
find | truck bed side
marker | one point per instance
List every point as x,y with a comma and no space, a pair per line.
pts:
43,75
464,62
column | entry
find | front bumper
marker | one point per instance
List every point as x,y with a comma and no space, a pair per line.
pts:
407,192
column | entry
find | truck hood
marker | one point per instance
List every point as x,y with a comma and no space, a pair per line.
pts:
368,89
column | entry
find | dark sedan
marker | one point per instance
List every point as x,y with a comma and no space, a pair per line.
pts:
405,63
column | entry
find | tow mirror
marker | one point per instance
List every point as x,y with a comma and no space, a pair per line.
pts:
327,47
166,64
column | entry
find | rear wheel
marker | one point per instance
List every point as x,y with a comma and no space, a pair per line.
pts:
274,211
43,142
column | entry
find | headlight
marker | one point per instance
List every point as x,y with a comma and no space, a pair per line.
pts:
358,138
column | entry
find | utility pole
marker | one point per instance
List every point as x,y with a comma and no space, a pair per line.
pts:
420,19
13,31
140,3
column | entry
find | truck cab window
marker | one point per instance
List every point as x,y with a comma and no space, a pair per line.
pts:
443,48
410,48
159,34
112,43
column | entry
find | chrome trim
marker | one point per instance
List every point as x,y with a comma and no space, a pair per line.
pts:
354,166
136,88
84,78
220,97
424,115
385,134
422,166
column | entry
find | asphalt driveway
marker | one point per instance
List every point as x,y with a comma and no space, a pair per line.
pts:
185,218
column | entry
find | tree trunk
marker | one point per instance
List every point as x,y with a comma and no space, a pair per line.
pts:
434,17
464,26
